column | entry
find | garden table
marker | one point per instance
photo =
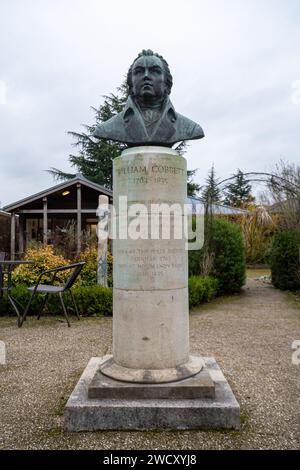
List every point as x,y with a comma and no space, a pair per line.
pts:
6,269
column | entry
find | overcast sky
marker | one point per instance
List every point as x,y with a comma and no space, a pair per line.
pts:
235,67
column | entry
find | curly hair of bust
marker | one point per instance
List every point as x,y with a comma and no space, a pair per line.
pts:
147,53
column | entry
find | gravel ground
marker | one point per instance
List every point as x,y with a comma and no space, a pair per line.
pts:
250,335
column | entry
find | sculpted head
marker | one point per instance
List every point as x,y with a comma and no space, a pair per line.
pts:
149,78
148,116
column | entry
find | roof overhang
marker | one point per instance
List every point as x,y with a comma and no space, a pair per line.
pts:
66,184
4,214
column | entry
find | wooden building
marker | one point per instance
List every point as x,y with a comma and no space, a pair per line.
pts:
46,215
43,215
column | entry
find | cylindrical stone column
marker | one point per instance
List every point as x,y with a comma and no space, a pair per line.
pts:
150,310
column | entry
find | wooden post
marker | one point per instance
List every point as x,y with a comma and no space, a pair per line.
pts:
12,236
45,221
102,233
78,218
21,234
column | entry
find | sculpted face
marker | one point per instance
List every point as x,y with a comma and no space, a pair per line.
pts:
148,79
148,116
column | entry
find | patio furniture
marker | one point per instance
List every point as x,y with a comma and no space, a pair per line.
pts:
46,289
6,269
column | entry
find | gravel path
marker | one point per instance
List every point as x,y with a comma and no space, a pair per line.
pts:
250,335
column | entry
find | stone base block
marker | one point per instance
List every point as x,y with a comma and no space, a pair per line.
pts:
200,386
91,414
151,376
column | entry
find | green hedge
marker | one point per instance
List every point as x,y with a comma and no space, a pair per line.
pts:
284,260
90,300
229,264
202,289
97,300
94,300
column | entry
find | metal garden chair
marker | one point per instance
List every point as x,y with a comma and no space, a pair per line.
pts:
46,289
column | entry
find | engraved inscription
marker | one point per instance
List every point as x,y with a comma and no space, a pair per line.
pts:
151,263
153,174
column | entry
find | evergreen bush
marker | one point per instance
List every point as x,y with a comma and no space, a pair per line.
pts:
44,258
229,263
91,300
284,260
202,289
226,257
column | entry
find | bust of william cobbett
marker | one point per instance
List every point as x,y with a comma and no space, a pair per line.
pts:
149,118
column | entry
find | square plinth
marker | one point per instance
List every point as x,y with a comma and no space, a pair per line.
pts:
116,413
199,386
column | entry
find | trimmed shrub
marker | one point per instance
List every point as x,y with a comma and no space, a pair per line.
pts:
98,300
94,299
284,260
202,289
226,261
21,295
195,262
44,258
88,275
91,300
229,264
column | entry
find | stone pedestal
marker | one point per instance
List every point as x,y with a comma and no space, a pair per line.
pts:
150,320
151,381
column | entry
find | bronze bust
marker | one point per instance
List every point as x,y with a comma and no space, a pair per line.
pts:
149,117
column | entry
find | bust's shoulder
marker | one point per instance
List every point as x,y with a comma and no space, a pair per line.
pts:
189,128
112,129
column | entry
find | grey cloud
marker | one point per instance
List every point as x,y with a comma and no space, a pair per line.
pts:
233,64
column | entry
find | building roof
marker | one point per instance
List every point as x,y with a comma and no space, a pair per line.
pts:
4,214
196,203
198,207
79,178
